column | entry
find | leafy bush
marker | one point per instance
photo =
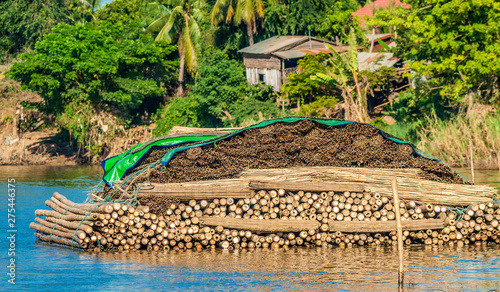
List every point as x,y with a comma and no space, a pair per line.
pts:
221,96
453,43
219,84
299,87
93,81
321,18
91,63
320,107
413,105
179,112
257,106
24,22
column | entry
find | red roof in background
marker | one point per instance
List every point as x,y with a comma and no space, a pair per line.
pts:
367,10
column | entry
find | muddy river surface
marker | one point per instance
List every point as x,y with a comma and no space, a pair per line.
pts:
39,267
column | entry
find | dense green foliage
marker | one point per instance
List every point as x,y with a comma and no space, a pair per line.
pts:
220,83
455,43
179,112
125,12
101,69
81,70
220,96
322,18
299,86
91,63
24,22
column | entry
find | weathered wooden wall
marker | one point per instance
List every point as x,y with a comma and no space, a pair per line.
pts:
271,77
262,61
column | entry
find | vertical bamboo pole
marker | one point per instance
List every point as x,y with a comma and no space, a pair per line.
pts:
471,154
399,233
469,116
498,158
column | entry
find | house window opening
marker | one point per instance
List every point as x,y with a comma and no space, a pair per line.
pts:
261,77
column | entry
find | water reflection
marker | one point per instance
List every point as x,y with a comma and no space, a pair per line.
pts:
428,268
482,177
50,176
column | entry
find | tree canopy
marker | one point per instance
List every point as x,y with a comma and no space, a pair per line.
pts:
90,63
25,22
454,43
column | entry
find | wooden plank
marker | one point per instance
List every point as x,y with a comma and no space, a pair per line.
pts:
264,61
200,190
306,186
385,226
176,130
252,75
184,196
261,225
171,188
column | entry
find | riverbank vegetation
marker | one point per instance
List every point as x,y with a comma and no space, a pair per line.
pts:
99,73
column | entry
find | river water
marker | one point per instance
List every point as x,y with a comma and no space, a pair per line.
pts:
39,267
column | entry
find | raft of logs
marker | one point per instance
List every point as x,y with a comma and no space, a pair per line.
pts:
265,217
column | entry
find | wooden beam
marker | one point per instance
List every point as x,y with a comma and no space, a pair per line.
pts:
186,196
176,130
237,188
385,226
200,190
261,225
307,186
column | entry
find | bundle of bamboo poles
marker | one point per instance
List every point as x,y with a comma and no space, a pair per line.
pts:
89,226
269,216
411,184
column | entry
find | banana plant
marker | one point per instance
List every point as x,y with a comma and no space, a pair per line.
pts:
344,74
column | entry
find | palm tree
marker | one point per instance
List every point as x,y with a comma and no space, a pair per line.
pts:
248,11
179,23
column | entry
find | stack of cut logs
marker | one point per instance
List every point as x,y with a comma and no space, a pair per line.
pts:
268,218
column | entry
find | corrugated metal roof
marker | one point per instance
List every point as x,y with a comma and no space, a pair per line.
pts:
293,54
278,43
272,44
373,61
381,36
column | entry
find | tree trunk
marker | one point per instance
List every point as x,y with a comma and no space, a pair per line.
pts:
15,122
349,104
228,115
180,89
470,99
250,33
359,102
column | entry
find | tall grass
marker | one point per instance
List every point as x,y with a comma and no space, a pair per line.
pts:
404,131
449,140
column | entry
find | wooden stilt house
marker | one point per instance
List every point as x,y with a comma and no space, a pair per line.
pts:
271,60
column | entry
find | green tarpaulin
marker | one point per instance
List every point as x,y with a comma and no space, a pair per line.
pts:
116,167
